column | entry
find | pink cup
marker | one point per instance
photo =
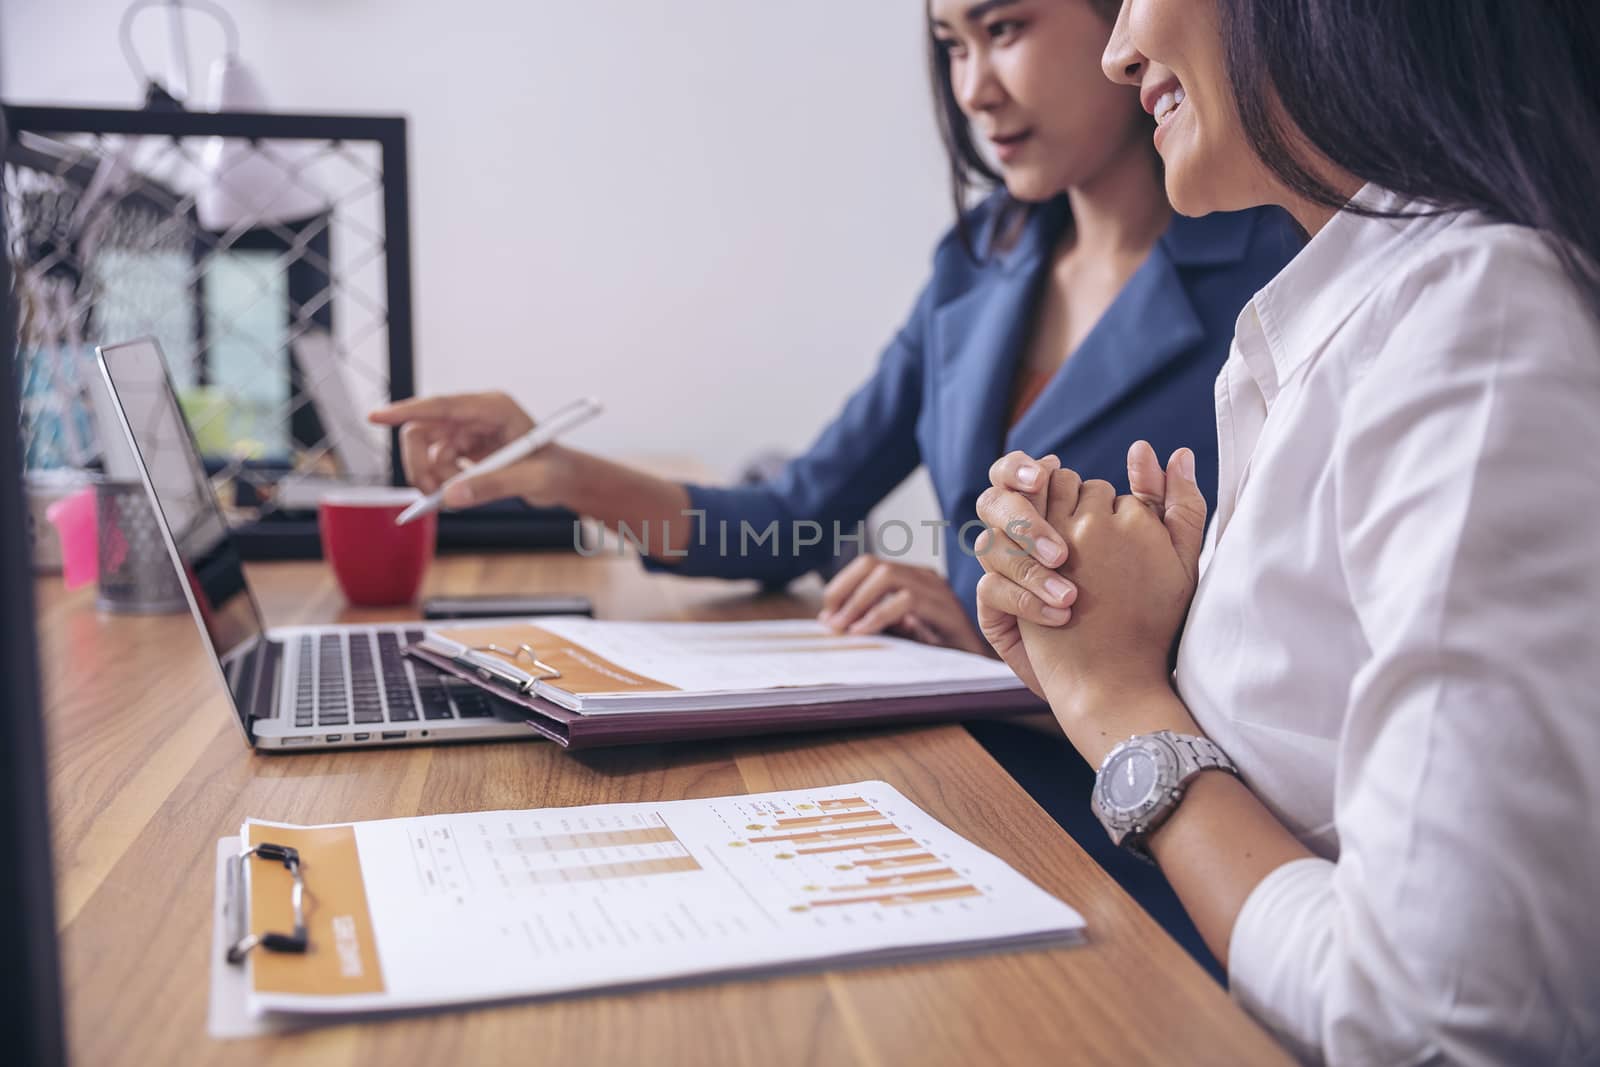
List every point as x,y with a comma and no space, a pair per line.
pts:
76,519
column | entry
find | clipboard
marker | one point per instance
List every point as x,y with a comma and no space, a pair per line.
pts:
496,670
434,911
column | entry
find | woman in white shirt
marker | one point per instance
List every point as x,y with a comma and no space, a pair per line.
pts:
1392,621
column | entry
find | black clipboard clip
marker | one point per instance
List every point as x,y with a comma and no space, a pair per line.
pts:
243,941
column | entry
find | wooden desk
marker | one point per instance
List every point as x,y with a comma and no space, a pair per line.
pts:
148,770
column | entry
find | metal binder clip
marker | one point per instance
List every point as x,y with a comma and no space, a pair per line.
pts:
244,941
523,651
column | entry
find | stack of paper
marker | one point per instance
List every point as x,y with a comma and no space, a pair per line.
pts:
627,667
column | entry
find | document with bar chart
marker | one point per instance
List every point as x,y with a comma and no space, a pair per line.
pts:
445,909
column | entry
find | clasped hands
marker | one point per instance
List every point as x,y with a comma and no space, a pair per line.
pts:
1084,591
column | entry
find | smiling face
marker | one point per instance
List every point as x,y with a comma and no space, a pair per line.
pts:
1026,74
1172,50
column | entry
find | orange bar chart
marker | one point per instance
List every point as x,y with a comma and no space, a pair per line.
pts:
828,820
831,834
884,881
871,846
880,863
646,835
894,900
898,861
607,871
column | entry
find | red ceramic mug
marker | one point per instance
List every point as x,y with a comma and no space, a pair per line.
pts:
377,563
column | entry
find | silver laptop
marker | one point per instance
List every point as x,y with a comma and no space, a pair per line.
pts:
292,687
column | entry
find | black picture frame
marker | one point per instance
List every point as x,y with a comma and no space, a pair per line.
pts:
289,535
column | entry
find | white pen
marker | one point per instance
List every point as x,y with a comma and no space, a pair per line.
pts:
570,417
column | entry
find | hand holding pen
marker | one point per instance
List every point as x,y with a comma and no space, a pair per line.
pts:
470,448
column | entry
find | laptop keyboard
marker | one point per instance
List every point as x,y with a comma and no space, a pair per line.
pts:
333,704
402,705
360,678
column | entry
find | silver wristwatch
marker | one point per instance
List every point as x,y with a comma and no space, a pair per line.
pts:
1142,780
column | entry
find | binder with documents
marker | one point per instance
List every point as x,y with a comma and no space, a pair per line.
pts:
584,683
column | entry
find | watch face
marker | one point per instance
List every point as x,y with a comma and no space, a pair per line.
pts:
1131,778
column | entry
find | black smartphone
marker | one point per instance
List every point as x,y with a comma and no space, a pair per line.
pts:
509,605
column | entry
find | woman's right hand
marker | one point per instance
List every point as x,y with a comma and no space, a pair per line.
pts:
1023,552
441,435
1017,584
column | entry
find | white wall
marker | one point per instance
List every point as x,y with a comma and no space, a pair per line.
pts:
710,213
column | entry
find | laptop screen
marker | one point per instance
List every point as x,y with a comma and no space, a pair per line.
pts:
207,554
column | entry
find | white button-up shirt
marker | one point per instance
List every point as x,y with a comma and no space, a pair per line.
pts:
1396,636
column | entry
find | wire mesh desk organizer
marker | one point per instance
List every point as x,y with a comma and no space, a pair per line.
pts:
267,254
135,573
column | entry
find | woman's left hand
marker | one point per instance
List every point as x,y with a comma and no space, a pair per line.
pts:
873,595
1133,561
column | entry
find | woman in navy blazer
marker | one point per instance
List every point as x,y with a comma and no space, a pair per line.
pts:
1068,314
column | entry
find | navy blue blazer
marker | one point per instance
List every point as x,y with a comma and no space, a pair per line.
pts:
942,393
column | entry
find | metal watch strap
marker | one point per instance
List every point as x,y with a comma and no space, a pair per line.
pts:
1196,754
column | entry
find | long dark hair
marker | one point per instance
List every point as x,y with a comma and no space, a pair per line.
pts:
970,172
1468,104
